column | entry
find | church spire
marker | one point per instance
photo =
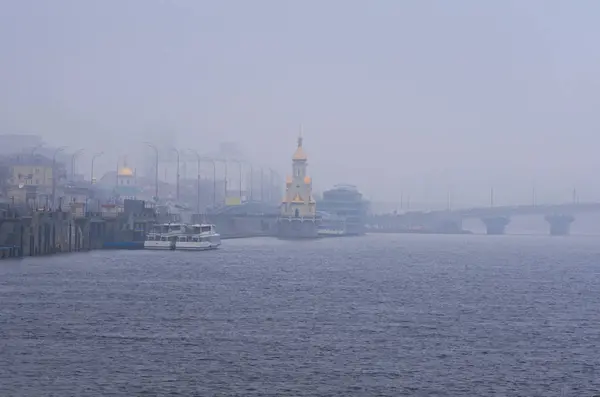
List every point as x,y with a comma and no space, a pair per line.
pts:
299,155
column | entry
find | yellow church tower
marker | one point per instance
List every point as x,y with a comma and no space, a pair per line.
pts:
298,201
298,208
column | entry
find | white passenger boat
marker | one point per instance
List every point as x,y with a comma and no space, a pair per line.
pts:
198,237
163,236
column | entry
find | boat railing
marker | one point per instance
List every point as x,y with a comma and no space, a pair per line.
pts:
300,218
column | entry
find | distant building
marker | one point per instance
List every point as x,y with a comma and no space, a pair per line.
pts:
29,178
298,200
35,170
74,195
5,174
108,180
28,195
298,217
344,206
126,188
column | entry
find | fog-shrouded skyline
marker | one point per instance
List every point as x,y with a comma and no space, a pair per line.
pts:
399,98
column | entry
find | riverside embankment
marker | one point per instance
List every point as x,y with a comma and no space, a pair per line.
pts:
28,232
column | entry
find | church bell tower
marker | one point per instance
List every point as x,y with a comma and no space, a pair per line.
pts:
298,201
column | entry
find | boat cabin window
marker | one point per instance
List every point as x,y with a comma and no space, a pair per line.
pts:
150,238
156,229
160,229
164,239
205,229
175,228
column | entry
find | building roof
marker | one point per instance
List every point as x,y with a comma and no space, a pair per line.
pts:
28,159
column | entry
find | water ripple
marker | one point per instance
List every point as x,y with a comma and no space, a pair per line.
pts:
377,316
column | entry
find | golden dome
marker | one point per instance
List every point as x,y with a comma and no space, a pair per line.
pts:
307,180
299,154
125,171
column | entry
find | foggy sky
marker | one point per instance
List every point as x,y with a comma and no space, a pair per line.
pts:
414,96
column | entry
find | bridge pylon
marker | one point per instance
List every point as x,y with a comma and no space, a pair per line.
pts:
495,225
560,224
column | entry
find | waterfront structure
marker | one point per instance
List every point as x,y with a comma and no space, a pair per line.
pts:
29,169
126,188
28,178
298,216
344,211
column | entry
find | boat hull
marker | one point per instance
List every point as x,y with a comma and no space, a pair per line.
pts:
331,233
159,245
195,246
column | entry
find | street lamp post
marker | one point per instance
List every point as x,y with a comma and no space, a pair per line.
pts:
251,182
214,164
225,180
33,161
177,182
198,159
155,170
92,170
224,161
60,149
239,163
262,184
92,178
73,157
271,174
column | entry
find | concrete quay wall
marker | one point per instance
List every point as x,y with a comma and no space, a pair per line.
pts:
43,233
46,233
240,226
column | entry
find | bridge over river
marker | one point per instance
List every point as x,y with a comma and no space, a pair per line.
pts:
558,216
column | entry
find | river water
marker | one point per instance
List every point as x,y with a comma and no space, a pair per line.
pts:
382,315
